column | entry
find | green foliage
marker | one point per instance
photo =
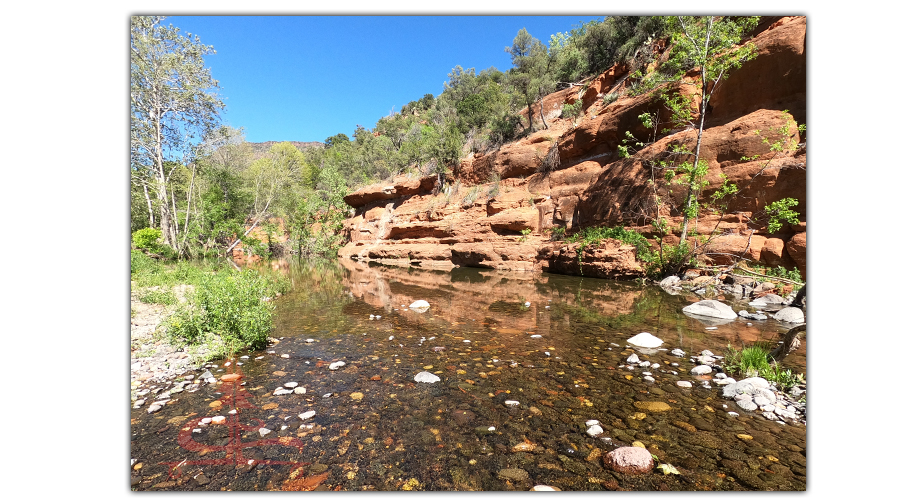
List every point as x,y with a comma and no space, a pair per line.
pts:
780,212
593,235
571,110
669,259
525,233
147,239
231,311
557,234
754,361
610,98
165,297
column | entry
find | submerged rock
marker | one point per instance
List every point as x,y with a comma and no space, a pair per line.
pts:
514,474
629,460
426,377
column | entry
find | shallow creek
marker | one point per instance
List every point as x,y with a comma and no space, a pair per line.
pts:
555,344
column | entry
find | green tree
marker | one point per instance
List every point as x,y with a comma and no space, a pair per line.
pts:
532,75
710,45
173,104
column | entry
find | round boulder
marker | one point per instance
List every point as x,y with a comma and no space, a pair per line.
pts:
712,309
629,460
790,315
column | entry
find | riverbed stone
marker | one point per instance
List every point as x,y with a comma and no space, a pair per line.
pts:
633,359
790,315
677,352
514,474
645,339
746,404
701,370
419,306
427,377
670,282
629,460
712,309
756,316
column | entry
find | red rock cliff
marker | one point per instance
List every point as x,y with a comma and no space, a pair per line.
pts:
506,224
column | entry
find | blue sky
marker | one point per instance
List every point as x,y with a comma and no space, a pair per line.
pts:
304,78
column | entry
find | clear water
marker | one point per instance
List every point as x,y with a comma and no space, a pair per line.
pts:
378,429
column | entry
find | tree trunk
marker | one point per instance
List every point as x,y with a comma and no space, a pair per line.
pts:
790,343
149,206
542,113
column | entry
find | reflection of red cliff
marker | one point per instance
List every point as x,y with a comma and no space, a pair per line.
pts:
408,221
458,301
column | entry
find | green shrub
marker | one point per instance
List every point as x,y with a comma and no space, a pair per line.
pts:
146,239
610,98
230,312
571,110
592,235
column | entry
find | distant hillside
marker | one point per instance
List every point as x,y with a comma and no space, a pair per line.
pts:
259,148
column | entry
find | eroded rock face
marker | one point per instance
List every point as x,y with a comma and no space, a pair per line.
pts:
475,221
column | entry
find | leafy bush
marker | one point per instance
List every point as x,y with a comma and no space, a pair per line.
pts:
610,98
231,311
571,110
146,239
592,235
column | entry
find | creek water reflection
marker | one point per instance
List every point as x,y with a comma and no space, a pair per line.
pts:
553,343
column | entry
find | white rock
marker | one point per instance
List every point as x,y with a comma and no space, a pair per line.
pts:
206,420
336,365
683,383
263,431
419,306
300,390
544,487
645,339
528,304
285,355
592,422
633,359
678,352
701,370
291,384
654,366
535,336
712,309
511,403
594,430
307,415
790,315
650,379
310,341
427,377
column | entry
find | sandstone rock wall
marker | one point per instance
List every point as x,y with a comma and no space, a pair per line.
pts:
471,220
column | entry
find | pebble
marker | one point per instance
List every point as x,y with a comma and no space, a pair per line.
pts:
535,336
633,359
218,420
544,487
678,352
263,431
594,430
336,365
300,390
291,384
683,383
650,379
592,422
307,415
285,355
511,403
